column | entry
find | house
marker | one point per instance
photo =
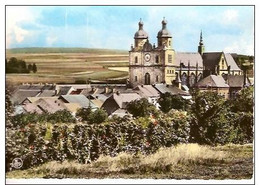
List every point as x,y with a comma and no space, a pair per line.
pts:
214,83
219,63
44,105
236,83
148,92
163,88
80,99
119,101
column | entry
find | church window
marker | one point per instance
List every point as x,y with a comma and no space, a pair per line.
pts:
157,78
157,59
169,43
136,60
136,78
222,63
169,58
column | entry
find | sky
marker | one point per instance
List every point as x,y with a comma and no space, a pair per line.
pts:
225,28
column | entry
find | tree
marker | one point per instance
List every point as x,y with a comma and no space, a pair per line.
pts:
168,101
86,114
244,102
30,67
141,108
34,68
208,117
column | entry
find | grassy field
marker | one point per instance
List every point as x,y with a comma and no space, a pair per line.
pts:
186,161
67,65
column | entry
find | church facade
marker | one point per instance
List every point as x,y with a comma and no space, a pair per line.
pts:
151,64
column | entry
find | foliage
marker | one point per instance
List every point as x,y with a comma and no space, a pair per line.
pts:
16,66
61,116
244,101
86,142
141,108
97,116
168,101
34,68
207,113
9,109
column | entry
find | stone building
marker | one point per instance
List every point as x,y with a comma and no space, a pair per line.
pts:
151,64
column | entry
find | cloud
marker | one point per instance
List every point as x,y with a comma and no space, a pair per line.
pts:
113,27
14,17
230,15
51,40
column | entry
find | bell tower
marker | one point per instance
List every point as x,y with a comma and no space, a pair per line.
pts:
140,36
164,37
201,47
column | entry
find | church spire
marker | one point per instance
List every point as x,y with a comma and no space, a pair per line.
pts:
201,47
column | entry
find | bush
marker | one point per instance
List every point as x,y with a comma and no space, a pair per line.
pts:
86,114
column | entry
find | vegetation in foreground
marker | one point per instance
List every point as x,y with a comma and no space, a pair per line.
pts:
185,161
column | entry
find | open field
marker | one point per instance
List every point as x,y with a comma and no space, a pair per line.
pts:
67,65
186,161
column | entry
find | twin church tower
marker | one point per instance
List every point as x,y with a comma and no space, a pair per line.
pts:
151,64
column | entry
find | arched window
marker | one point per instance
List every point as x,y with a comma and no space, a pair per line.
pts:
192,79
157,78
184,79
136,60
147,79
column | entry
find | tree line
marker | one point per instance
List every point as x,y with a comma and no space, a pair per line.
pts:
14,65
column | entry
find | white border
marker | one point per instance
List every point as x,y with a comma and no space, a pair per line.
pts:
118,2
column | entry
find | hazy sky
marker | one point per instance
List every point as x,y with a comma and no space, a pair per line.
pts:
225,28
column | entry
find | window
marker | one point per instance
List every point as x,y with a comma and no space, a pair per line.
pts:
169,58
169,43
136,60
157,59
136,78
157,78
222,64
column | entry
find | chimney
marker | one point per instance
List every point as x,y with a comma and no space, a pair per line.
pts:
106,90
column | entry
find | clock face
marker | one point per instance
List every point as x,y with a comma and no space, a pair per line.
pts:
147,57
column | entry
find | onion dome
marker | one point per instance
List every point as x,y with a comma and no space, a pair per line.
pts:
141,34
164,32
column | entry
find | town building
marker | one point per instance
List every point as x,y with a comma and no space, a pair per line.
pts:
151,64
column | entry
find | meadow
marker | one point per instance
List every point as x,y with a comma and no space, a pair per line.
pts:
69,65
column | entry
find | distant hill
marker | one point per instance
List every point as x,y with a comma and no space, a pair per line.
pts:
64,50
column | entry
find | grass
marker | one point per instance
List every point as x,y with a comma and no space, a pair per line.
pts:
186,161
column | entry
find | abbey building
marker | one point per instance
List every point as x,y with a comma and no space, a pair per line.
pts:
151,64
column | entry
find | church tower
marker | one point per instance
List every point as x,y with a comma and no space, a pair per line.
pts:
201,47
140,36
164,37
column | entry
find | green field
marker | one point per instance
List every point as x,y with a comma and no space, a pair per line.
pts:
189,161
67,65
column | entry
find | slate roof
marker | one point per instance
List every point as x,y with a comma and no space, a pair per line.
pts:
212,81
80,99
211,59
31,108
50,105
147,91
236,81
186,58
64,90
46,93
20,95
163,88
123,98
231,62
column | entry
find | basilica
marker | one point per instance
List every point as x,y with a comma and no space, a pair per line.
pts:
151,64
